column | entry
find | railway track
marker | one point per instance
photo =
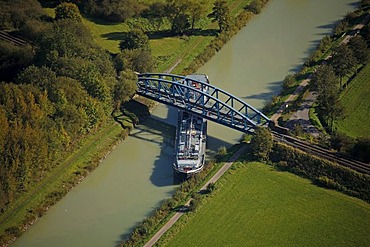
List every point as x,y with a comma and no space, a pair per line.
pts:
322,152
9,38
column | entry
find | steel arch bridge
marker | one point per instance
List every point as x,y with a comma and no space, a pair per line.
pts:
197,96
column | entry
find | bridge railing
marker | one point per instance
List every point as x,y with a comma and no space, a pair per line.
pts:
201,98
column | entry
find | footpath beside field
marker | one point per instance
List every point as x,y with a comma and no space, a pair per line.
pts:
184,209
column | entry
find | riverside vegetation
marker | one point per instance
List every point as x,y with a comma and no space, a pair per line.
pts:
60,91
341,107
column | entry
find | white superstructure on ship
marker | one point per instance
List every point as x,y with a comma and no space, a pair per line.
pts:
190,143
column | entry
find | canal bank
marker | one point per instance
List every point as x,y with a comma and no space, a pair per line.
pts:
148,152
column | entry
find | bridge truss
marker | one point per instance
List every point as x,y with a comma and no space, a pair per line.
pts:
201,98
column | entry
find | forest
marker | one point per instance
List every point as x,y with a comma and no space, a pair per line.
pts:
54,90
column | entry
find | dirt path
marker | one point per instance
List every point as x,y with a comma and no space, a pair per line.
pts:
184,209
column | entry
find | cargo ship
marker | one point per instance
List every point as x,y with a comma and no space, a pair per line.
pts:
190,144
190,141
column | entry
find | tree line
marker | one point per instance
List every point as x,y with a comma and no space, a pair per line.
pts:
332,77
322,172
328,80
345,60
53,91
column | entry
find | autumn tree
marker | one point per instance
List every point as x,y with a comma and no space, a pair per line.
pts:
221,15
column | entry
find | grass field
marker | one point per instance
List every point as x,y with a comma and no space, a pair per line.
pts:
167,50
356,100
258,206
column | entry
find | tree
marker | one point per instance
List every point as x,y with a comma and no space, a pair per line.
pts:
14,14
135,39
261,143
177,13
359,48
341,27
113,10
255,7
323,77
155,13
197,9
67,11
365,33
289,81
135,60
343,61
361,149
325,82
66,38
211,187
42,77
124,88
221,14
13,59
180,23
195,202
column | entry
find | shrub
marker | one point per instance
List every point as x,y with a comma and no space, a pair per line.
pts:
194,204
289,81
211,187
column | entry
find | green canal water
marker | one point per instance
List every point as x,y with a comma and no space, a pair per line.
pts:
137,175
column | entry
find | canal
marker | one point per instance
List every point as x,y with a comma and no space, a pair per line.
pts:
137,175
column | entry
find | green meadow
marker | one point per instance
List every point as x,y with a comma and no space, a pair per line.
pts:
255,205
356,100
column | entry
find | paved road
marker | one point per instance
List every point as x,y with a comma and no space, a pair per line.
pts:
184,209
